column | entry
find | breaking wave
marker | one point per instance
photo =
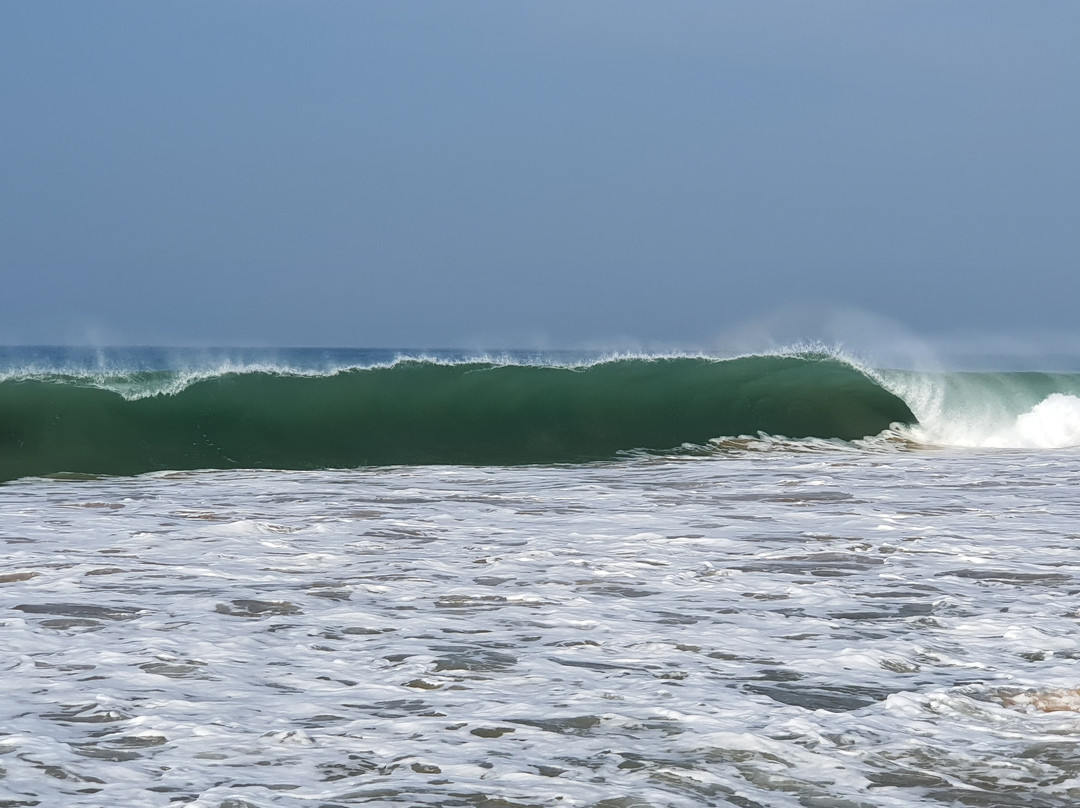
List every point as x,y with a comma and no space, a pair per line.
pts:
991,410
505,410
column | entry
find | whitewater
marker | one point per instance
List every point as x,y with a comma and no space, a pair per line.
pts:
331,578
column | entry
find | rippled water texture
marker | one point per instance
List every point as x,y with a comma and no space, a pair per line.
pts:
829,628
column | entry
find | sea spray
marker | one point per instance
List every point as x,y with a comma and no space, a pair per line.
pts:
1002,410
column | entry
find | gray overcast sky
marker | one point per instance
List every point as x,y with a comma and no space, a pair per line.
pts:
533,173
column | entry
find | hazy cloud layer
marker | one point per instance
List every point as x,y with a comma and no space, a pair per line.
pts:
560,173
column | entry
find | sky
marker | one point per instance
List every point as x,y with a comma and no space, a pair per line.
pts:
566,173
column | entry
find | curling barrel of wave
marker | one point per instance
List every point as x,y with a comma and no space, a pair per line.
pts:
422,412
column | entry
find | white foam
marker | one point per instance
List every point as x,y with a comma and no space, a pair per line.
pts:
988,410
670,632
1053,423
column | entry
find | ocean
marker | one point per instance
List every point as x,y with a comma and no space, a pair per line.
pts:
335,578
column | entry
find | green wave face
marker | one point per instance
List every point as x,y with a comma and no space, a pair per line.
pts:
419,412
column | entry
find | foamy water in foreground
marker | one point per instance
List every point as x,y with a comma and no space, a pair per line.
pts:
836,627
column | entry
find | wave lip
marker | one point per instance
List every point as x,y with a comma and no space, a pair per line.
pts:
420,412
